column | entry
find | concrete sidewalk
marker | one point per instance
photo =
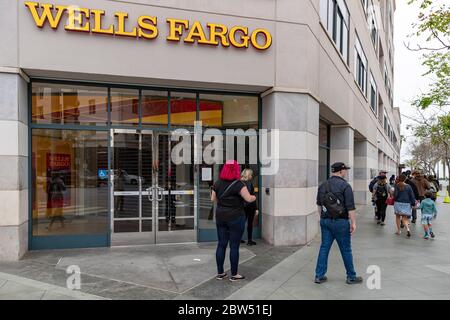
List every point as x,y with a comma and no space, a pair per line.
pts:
18,288
160,272
410,268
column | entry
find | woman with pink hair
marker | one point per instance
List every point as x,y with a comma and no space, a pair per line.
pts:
230,193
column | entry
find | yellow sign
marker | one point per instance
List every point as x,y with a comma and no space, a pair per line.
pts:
90,20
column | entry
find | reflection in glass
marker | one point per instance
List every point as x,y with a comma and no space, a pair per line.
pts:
70,193
124,106
323,134
183,108
206,218
323,165
155,108
126,175
229,111
67,104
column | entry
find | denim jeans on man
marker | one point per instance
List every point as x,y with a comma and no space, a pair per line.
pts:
231,232
338,230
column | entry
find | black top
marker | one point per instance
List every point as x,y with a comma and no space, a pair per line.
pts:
342,190
231,205
251,206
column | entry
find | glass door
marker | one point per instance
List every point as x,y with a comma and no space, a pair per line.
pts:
131,179
174,183
152,198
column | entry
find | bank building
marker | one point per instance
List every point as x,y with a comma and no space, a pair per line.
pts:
94,94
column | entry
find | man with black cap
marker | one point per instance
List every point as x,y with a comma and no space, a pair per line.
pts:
336,206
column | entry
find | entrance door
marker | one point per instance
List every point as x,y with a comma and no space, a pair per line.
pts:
152,199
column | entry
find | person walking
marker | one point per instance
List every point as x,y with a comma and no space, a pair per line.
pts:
381,174
422,184
392,180
230,193
336,206
380,194
413,186
404,201
251,208
434,187
429,212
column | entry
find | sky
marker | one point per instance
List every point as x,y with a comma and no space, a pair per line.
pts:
409,81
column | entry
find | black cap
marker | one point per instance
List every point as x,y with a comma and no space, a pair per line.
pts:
338,166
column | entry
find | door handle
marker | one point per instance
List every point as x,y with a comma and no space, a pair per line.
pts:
150,194
160,193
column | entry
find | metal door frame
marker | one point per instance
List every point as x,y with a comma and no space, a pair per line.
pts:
154,193
155,136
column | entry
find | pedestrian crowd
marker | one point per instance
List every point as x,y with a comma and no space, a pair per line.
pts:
409,192
233,195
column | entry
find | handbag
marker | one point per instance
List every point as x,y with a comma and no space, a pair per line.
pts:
390,201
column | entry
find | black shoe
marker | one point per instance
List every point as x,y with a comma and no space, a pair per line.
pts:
432,234
251,243
378,222
172,220
402,225
237,278
320,280
408,234
221,276
242,241
355,280
167,219
413,221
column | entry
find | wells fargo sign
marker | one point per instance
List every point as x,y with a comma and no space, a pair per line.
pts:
91,21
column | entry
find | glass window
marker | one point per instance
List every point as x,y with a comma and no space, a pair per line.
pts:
155,108
323,134
216,152
323,164
373,94
228,111
360,67
68,104
183,108
124,107
336,19
324,151
69,182
365,4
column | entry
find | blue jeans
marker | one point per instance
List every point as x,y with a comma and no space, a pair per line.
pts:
338,230
231,232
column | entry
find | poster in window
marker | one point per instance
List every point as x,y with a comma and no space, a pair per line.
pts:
58,178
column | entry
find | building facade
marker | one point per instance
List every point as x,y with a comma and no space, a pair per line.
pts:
97,96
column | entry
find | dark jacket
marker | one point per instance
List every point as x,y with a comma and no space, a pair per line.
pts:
422,185
413,187
372,183
341,189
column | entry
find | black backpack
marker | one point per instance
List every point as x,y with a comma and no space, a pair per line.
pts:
331,205
381,192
